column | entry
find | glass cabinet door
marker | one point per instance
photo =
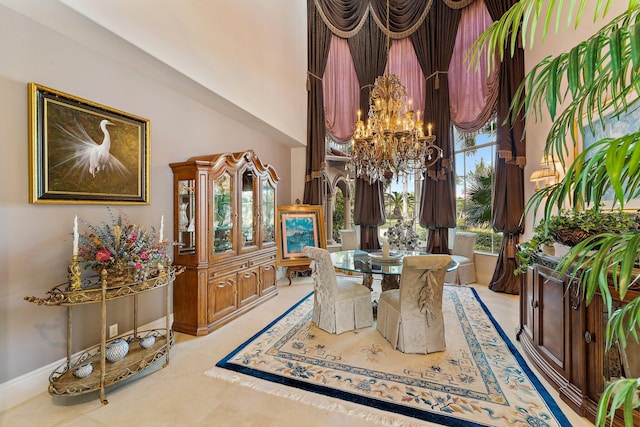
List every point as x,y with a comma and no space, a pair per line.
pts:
248,236
186,216
222,215
268,213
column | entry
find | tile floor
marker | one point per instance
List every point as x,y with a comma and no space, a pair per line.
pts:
182,395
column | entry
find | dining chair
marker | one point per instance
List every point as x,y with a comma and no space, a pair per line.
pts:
462,253
410,318
340,304
349,240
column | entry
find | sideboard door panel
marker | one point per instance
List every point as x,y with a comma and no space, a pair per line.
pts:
551,339
528,304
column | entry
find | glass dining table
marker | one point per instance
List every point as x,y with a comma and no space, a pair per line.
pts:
369,263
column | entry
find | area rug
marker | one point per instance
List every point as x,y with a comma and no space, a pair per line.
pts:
480,380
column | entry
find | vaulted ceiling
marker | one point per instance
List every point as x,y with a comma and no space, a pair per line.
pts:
247,58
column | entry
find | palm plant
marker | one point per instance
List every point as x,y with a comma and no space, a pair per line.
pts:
395,203
477,210
601,74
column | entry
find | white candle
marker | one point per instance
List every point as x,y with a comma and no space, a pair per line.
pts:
75,236
385,249
429,127
161,227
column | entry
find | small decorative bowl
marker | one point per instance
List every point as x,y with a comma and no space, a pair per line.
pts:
83,371
116,350
148,342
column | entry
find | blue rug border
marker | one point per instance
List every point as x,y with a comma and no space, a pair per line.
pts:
387,406
548,400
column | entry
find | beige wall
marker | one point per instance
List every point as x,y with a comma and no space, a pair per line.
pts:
186,118
247,52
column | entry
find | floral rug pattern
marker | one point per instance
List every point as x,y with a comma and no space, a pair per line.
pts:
480,379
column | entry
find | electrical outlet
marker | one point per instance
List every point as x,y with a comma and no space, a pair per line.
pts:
113,330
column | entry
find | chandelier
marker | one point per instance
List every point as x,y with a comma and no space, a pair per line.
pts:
392,142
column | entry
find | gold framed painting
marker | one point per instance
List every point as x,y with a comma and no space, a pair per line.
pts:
84,152
299,226
611,126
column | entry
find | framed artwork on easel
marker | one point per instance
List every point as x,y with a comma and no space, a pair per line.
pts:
298,226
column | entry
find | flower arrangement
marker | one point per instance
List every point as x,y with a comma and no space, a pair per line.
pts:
119,244
402,236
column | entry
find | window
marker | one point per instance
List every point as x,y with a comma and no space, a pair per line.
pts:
475,173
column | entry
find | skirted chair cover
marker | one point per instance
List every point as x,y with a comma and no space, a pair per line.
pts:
410,318
462,252
340,304
349,240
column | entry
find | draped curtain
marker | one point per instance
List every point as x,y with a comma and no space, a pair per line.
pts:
404,63
369,56
340,89
433,43
473,93
318,42
432,27
508,203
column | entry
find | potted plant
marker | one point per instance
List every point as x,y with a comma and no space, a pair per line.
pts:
599,75
570,227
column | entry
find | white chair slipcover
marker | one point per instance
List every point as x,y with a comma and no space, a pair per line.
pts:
462,252
410,318
340,304
349,240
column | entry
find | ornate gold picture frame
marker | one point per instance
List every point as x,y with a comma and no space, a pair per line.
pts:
299,226
84,152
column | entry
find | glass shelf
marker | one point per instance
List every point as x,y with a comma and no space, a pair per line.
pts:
223,214
186,216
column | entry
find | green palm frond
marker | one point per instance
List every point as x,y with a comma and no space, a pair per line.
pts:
520,22
594,79
608,164
621,393
600,74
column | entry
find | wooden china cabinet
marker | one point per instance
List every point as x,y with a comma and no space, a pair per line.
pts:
566,339
224,210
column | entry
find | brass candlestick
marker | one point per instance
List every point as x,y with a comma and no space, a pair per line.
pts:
75,282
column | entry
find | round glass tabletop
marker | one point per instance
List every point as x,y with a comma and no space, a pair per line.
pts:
372,262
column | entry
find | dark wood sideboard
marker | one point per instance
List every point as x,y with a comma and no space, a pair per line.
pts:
565,340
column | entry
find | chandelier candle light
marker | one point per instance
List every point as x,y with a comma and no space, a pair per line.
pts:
392,140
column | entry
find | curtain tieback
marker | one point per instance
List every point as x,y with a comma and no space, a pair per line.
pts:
309,73
436,84
313,175
510,250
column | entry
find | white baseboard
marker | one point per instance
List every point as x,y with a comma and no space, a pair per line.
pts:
24,387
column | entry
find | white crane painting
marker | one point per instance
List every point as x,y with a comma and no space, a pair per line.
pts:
86,156
84,152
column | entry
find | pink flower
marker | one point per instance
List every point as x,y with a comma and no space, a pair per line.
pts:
138,265
144,255
103,255
134,236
